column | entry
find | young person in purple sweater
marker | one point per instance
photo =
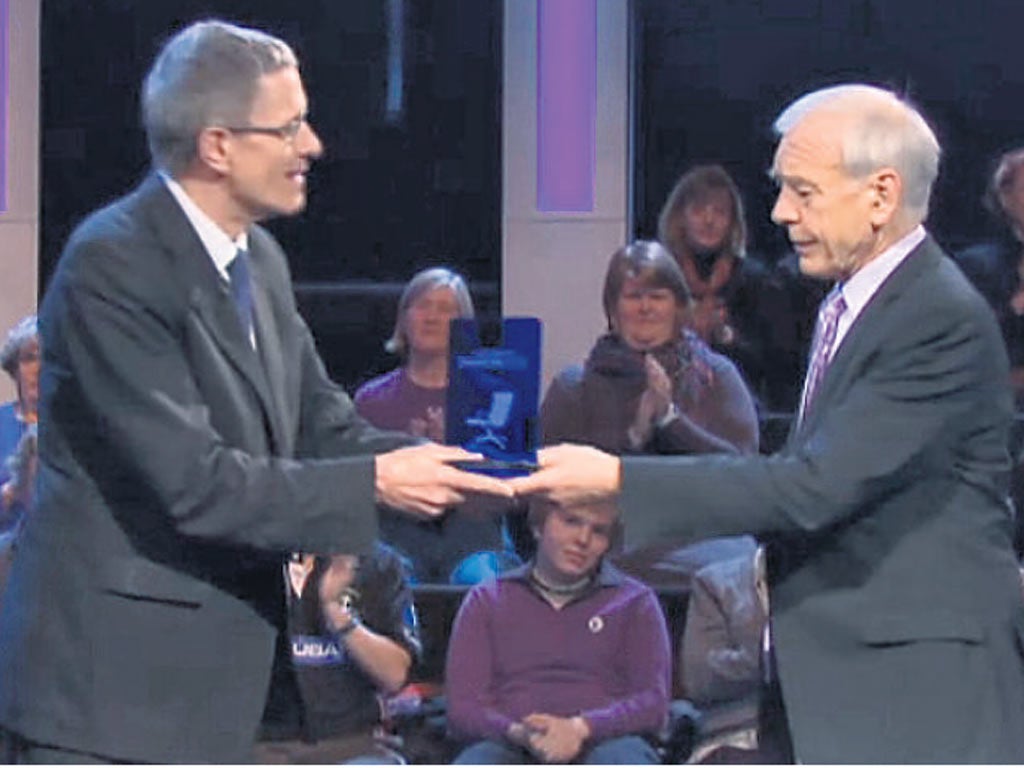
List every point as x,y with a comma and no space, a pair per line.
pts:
563,660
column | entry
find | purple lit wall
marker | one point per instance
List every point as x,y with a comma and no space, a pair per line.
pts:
5,89
566,104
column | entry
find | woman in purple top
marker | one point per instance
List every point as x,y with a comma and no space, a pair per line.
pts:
411,397
650,385
460,547
563,660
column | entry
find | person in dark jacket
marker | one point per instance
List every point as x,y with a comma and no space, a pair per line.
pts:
650,385
702,224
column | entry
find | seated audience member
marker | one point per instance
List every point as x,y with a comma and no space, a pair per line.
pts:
563,660
20,489
720,654
411,397
353,634
20,358
650,385
703,226
461,547
997,268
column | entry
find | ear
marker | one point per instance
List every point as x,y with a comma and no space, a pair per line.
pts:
886,190
213,148
536,532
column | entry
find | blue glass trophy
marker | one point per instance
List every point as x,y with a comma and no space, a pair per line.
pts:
493,395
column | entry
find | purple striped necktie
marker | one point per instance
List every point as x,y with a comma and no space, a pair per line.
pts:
831,310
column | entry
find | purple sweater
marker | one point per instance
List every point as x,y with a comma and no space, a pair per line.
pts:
393,400
604,656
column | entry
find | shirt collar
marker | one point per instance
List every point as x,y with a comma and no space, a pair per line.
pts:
219,246
607,574
862,285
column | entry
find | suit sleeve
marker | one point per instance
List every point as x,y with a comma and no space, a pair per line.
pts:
912,397
331,426
130,408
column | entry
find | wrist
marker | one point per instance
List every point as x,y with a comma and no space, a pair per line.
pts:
341,617
581,726
346,627
671,414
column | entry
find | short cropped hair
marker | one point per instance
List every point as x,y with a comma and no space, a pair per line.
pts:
881,130
24,331
207,74
651,263
695,186
423,282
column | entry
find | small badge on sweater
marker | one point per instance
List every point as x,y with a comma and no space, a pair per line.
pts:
596,624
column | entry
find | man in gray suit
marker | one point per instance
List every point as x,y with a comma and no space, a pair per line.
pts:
192,437
896,613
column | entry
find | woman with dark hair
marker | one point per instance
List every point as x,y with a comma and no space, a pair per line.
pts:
462,547
650,385
703,226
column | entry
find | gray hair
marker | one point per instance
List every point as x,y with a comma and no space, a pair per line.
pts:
423,282
24,331
207,74
881,131
1010,164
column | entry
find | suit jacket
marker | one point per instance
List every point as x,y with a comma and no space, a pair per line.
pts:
177,464
896,611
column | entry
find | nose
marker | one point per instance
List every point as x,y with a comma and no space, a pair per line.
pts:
783,212
583,535
310,144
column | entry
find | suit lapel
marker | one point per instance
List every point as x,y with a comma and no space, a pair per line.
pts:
268,342
869,327
209,297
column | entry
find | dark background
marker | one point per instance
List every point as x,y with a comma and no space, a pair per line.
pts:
391,194
712,75
395,195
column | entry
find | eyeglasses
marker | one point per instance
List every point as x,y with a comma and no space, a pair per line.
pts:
286,132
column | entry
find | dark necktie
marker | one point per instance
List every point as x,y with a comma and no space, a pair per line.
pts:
831,310
241,290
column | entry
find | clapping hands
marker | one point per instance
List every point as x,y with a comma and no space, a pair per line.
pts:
654,403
